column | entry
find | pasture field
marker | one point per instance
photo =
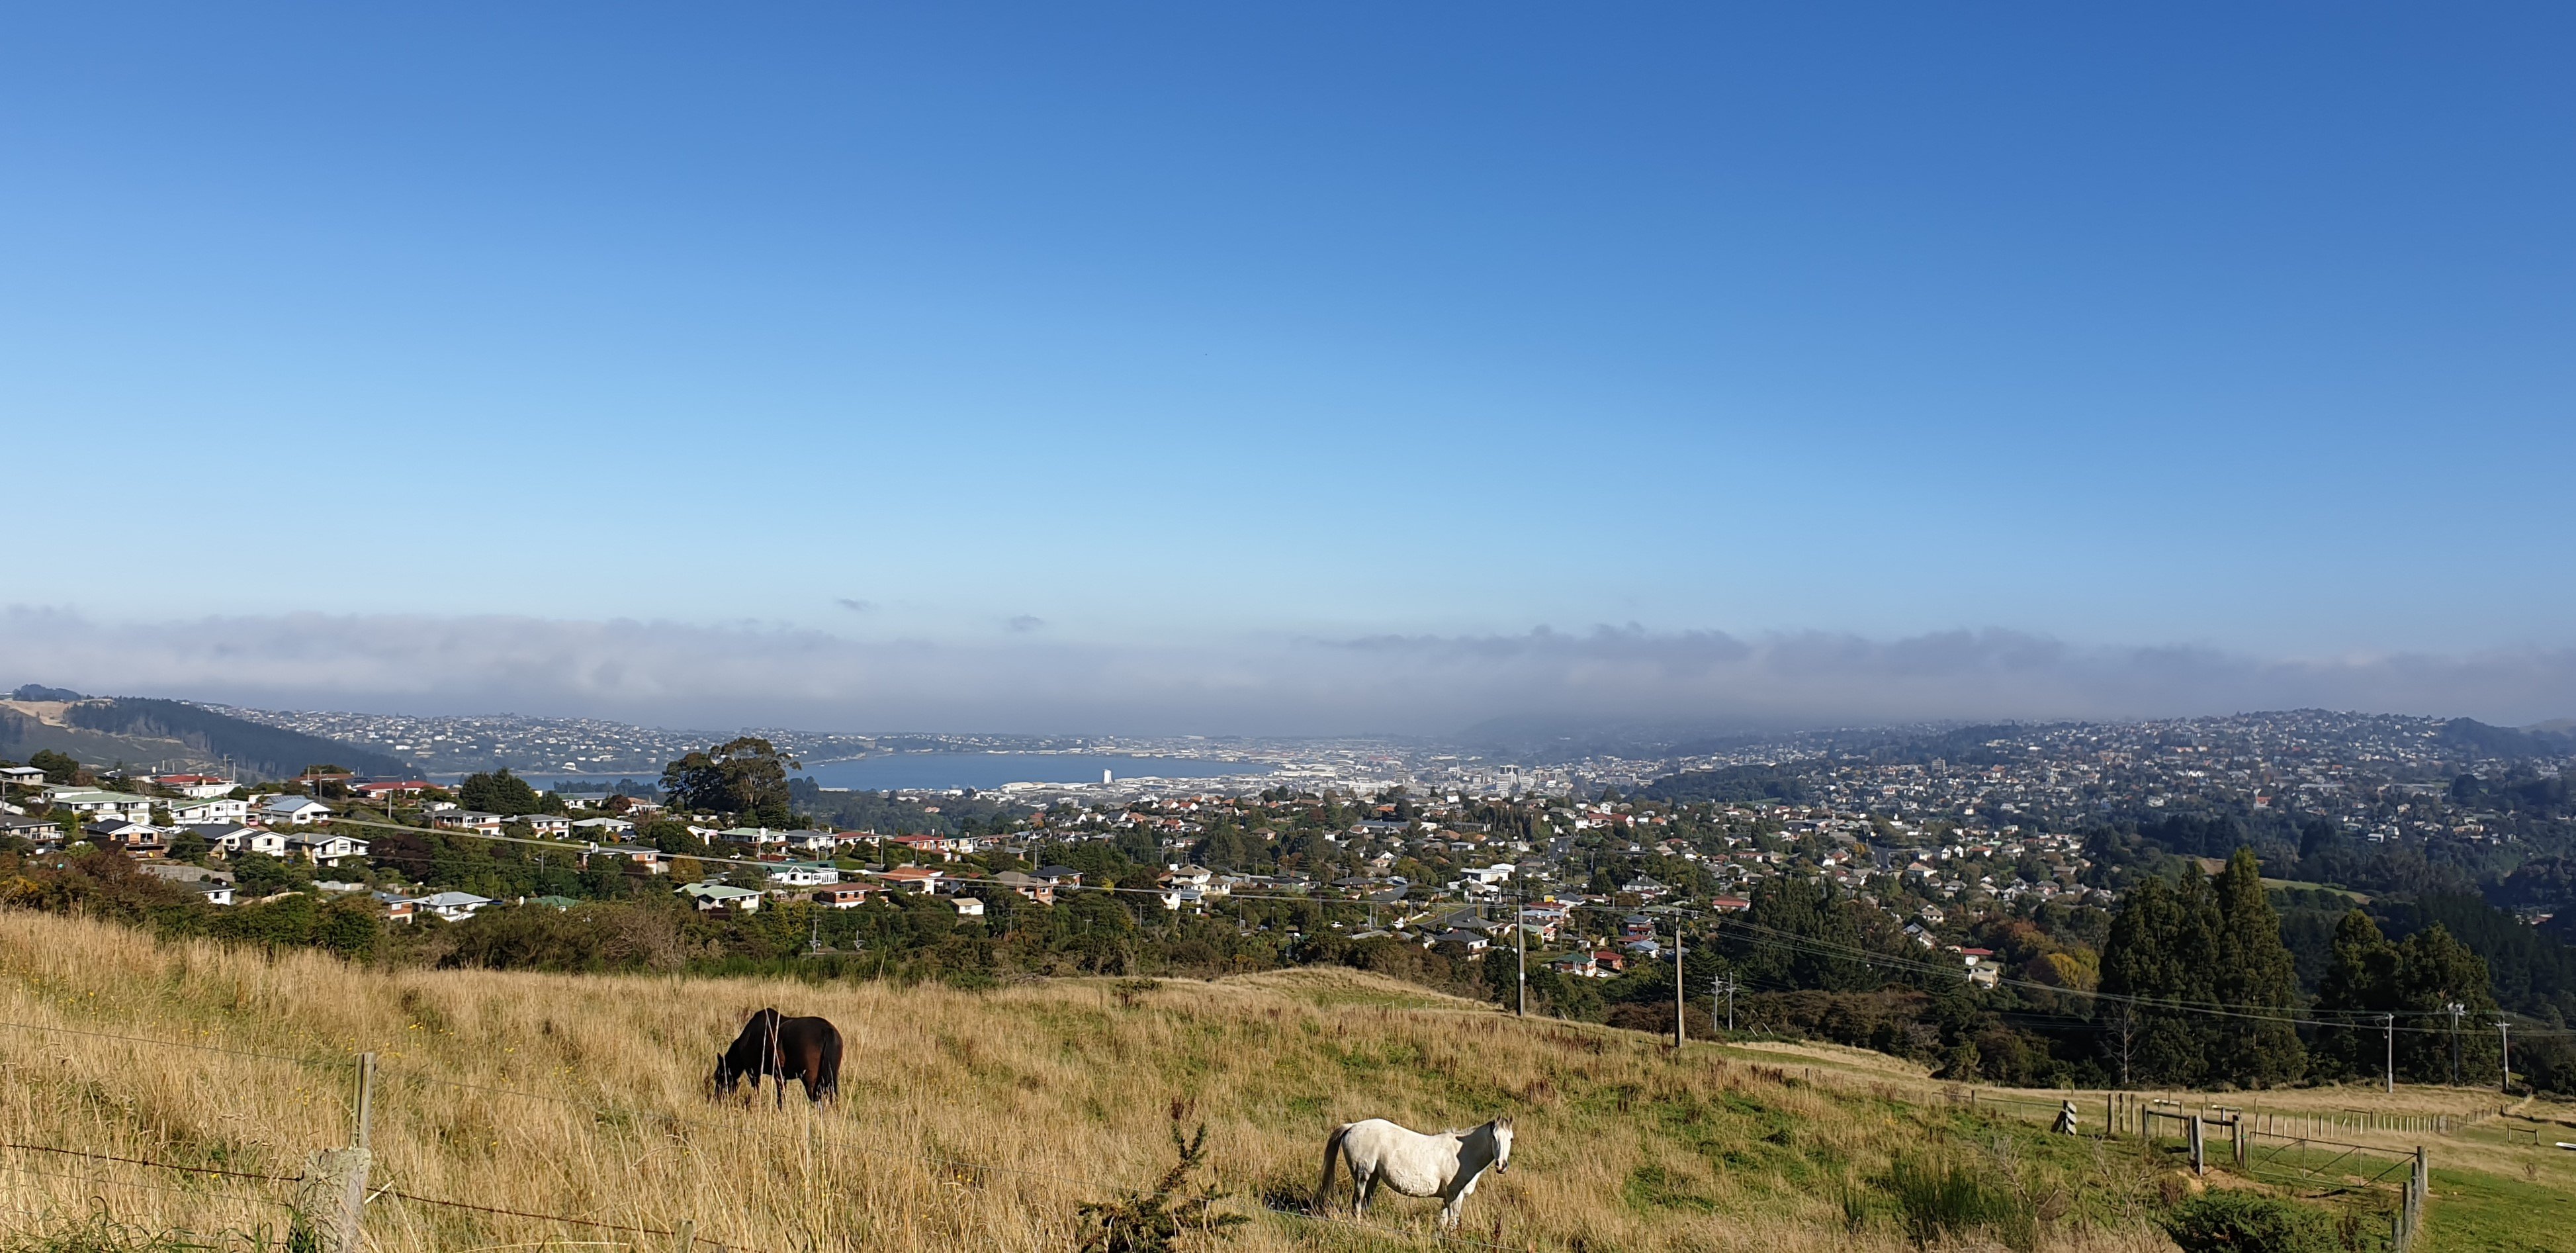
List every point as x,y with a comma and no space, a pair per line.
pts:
969,1119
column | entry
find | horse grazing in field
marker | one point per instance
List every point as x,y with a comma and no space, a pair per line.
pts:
1445,1165
782,1048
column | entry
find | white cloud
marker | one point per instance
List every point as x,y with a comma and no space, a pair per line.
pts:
695,675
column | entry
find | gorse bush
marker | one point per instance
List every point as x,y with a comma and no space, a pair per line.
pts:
2240,1222
1938,1201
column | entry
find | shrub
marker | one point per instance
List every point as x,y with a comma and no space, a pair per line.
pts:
2241,1222
1155,1222
1938,1202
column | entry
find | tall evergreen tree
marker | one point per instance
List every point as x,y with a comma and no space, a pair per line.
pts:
2155,963
2252,975
2360,981
2435,971
1826,952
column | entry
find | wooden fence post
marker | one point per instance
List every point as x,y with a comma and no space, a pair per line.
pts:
2199,1160
328,1201
331,1197
366,1119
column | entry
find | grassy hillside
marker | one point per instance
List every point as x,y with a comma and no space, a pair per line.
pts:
24,733
970,1119
261,752
172,735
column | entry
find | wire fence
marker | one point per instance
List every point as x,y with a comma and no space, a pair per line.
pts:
2377,1190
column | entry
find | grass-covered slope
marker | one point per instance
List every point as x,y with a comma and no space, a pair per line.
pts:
969,1119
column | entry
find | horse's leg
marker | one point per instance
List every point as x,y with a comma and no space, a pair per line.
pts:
1363,1186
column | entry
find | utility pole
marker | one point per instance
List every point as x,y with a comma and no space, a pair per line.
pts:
2390,1021
1724,985
2506,1030
1678,1000
2455,1009
1520,957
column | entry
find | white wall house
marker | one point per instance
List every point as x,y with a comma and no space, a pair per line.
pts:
294,810
326,850
90,802
189,813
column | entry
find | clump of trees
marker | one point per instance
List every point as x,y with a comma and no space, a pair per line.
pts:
745,777
2412,984
501,792
2198,988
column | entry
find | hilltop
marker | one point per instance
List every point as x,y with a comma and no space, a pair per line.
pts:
164,735
970,1118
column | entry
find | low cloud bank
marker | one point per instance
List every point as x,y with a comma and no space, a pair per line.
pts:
675,674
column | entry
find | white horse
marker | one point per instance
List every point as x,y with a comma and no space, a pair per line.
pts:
1445,1165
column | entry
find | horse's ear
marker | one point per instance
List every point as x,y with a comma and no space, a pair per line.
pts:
1503,1123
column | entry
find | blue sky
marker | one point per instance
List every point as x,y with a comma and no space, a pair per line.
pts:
1196,335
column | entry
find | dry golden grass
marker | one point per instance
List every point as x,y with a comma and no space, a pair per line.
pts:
1050,1093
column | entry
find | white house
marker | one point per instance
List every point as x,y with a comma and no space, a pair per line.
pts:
196,786
710,895
798,874
452,906
326,849
466,820
23,776
814,843
967,906
756,837
231,838
90,802
546,824
613,829
189,813
294,810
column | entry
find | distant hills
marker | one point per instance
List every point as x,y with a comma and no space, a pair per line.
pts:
168,735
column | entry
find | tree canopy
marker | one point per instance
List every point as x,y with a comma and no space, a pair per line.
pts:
745,777
499,792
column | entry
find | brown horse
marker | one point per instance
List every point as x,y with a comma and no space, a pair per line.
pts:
807,1049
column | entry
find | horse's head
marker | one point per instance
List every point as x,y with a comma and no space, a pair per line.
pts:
726,1078
1502,1144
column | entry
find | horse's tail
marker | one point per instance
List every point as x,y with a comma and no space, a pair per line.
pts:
1332,1152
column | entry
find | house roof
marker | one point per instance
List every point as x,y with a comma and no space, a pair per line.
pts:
452,900
97,796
